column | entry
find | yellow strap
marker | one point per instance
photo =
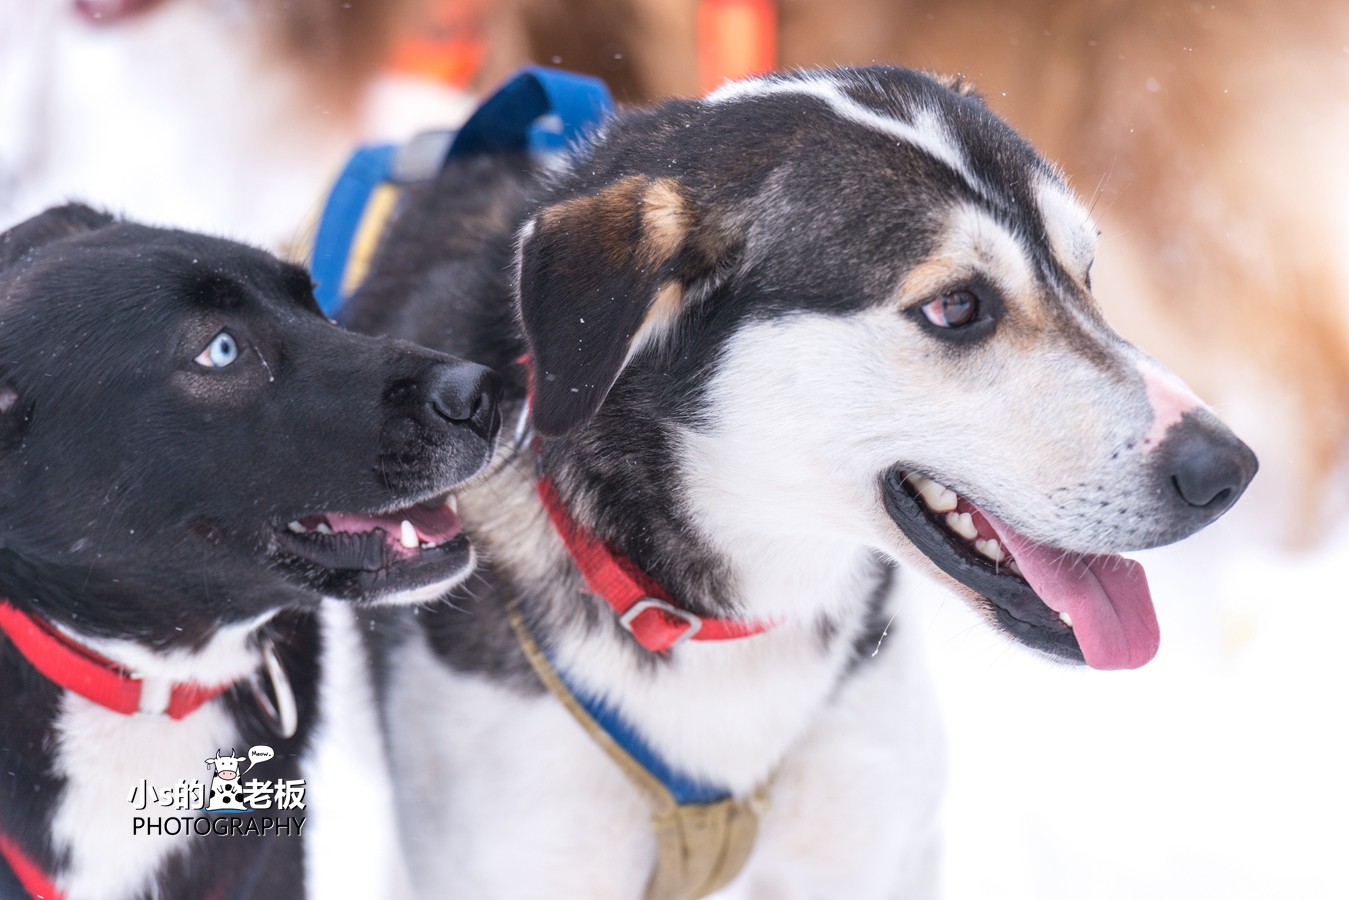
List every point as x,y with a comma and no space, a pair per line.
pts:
379,208
700,847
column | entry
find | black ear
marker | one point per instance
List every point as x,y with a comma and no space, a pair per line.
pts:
44,228
600,276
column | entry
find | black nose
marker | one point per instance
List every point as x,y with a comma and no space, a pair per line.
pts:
466,394
1208,466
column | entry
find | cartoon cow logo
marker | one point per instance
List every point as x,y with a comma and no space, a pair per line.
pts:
227,793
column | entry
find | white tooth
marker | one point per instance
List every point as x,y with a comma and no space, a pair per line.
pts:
945,502
1014,568
296,527
938,498
962,524
409,535
1066,619
453,503
990,548
324,528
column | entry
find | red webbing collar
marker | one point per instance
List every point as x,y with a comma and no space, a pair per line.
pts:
84,672
643,606
33,879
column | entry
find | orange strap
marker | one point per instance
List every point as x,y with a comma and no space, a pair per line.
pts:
736,39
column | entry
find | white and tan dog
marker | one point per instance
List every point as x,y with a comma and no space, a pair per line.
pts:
779,345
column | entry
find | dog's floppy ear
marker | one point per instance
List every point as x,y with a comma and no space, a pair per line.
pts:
52,225
600,276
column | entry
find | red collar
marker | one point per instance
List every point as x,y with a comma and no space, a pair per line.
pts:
79,669
33,879
643,606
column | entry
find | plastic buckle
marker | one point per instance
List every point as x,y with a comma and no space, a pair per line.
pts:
641,606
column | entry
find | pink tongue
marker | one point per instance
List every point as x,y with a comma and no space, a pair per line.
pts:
435,523
1106,596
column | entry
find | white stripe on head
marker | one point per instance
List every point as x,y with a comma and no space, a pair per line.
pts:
1068,226
926,131
974,244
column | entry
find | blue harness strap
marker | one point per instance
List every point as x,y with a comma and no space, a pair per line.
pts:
537,111
365,171
684,788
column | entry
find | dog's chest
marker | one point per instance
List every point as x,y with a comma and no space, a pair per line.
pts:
102,755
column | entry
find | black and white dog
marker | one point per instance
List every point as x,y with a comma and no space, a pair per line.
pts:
191,458
780,345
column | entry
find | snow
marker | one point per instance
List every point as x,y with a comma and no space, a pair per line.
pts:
1217,770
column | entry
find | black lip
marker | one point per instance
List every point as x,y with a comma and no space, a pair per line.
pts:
1019,611
364,567
368,551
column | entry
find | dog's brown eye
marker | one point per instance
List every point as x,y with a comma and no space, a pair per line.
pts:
952,310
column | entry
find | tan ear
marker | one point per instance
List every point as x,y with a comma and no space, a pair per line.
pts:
600,277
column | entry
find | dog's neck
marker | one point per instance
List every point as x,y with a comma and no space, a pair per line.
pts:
821,595
730,547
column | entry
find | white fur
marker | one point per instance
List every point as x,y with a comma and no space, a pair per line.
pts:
101,754
1068,225
506,796
854,807
429,592
926,131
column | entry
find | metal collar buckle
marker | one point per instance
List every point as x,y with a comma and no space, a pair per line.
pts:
641,606
282,717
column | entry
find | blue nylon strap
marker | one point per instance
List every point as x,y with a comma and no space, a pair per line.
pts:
537,110
684,788
367,168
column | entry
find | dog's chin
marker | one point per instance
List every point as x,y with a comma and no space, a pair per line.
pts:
1006,597
414,554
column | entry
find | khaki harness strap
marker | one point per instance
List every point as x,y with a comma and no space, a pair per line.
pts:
700,847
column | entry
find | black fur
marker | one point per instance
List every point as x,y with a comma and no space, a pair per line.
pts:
143,495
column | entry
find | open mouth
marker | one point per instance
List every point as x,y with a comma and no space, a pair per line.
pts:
1079,606
355,554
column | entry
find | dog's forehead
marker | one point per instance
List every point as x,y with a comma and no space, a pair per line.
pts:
973,156
134,272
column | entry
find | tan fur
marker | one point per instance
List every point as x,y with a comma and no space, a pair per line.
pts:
660,319
665,220
612,214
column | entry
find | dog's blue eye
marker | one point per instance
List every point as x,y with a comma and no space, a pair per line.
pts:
952,310
222,351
